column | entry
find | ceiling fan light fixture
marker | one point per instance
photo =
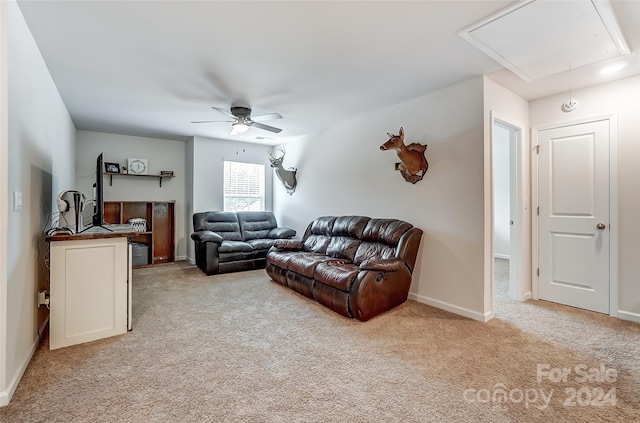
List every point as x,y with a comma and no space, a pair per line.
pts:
241,120
240,127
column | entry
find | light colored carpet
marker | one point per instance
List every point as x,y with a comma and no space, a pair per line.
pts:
501,277
240,348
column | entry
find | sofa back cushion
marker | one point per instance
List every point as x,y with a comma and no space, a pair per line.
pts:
346,236
318,234
256,225
373,250
352,226
343,247
387,231
380,239
224,223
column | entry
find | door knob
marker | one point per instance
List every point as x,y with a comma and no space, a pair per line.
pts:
601,226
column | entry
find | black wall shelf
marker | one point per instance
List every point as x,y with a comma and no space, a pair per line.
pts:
160,177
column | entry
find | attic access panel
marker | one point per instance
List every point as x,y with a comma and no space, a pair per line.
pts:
538,38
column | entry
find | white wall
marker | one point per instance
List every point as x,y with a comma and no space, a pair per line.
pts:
342,171
161,155
41,147
208,156
5,391
619,97
501,192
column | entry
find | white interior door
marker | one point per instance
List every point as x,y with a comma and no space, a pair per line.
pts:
573,224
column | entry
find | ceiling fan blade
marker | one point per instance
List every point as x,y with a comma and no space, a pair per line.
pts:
268,116
266,127
226,112
213,121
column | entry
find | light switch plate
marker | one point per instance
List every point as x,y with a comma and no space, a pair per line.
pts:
17,200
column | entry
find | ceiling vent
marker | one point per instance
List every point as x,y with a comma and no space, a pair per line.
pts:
536,39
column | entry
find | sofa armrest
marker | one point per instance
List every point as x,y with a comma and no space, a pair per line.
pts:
382,265
206,236
374,292
288,244
281,233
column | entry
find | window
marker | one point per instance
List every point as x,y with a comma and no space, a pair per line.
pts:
243,186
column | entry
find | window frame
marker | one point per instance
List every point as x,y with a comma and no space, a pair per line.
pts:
262,191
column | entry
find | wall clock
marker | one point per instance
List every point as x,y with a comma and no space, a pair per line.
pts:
137,166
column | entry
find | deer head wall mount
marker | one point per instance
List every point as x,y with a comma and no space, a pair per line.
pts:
413,163
286,176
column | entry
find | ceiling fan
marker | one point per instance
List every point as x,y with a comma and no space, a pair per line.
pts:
242,120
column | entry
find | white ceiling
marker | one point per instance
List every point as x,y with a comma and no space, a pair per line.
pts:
534,40
149,68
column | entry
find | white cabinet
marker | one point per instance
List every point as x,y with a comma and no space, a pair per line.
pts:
90,297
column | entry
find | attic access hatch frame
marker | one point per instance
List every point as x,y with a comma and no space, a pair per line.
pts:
535,39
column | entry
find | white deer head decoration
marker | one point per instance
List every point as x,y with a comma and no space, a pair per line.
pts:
286,176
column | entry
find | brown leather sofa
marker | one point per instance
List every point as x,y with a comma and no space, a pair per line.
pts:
234,241
354,265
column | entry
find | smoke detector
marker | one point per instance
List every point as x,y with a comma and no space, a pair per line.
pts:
569,105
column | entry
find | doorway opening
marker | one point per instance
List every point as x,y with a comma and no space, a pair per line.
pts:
504,137
510,211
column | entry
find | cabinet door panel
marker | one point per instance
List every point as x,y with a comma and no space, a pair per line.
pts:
88,290
163,232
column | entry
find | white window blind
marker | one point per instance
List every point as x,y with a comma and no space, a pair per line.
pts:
243,186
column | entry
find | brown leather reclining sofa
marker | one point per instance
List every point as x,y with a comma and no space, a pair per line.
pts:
234,241
354,265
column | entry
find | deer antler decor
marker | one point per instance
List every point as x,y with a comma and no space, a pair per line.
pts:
413,163
287,177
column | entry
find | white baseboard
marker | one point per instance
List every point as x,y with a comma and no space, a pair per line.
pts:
629,315
502,256
180,258
7,394
471,314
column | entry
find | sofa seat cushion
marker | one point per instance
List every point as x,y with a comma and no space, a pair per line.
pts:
235,250
337,274
235,247
305,263
280,258
235,256
261,244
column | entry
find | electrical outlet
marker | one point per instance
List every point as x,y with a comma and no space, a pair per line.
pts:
43,298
